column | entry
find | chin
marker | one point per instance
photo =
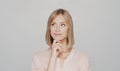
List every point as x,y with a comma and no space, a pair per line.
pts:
57,39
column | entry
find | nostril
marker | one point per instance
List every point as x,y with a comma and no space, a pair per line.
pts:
57,29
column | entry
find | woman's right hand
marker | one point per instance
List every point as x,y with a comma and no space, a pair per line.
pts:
55,51
56,48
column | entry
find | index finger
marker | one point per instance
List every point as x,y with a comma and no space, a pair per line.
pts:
56,41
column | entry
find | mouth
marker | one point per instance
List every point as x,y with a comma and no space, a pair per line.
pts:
57,34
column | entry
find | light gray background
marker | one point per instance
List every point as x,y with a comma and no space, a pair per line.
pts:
23,25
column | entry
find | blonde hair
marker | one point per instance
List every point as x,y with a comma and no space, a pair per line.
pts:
68,18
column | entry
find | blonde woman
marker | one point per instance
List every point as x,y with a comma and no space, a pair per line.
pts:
60,56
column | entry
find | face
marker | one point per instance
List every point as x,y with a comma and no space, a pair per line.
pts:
59,28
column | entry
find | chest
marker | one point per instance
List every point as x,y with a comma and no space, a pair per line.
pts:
70,65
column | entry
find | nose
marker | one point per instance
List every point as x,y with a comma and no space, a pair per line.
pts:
57,28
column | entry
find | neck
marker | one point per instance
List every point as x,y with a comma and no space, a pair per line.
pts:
64,43
65,50
65,47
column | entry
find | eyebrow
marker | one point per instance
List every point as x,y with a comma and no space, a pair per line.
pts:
60,22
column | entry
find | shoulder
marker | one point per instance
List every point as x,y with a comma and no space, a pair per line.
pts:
83,60
42,54
80,55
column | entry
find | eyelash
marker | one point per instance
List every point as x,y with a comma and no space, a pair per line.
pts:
53,24
62,24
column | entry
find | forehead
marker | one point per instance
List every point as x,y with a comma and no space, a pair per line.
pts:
59,18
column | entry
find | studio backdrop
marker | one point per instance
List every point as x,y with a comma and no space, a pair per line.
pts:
23,27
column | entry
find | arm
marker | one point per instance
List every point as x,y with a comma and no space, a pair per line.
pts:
52,62
54,54
37,65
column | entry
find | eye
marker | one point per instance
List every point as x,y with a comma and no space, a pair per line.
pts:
63,25
53,24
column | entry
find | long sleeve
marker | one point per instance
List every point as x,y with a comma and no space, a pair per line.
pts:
36,64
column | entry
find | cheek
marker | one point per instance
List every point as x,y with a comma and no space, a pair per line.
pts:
65,31
51,31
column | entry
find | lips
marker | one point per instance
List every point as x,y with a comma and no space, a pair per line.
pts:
57,34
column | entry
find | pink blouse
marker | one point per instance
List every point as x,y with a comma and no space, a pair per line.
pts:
76,61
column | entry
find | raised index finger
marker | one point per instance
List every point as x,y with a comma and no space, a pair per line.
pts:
56,41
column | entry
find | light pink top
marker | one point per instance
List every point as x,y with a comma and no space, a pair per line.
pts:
76,61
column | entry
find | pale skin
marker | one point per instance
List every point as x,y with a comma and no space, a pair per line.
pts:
58,30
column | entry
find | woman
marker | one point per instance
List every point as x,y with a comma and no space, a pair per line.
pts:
60,56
